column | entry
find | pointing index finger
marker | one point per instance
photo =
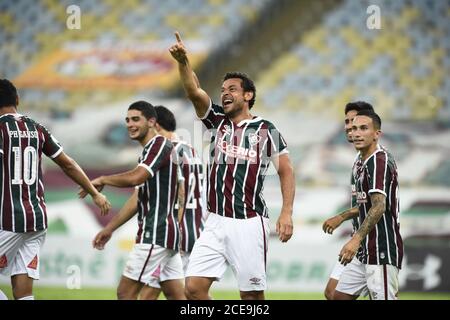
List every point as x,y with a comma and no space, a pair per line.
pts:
177,35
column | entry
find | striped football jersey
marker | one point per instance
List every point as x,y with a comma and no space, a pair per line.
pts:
384,244
157,195
194,204
22,143
240,155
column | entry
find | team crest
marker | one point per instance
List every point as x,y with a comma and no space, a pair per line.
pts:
226,130
253,138
3,261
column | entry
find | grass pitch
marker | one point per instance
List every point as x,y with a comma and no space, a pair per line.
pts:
61,293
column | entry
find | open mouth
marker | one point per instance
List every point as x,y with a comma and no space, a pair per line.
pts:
227,101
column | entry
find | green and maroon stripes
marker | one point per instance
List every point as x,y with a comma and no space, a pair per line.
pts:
156,220
240,155
384,244
22,195
192,170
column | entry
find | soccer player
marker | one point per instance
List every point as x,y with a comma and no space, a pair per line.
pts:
23,213
351,109
242,147
377,243
157,176
192,217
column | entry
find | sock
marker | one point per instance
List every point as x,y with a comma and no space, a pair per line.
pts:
27,298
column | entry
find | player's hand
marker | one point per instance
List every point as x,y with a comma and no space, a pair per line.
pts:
97,183
285,226
101,239
349,250
178,50
331,224
102,202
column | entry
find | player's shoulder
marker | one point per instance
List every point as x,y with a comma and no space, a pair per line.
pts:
185,148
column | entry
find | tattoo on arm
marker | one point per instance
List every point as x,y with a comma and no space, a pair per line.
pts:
375,213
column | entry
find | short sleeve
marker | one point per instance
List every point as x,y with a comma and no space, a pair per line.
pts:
377,167
213,116
276,144
51,147
156,154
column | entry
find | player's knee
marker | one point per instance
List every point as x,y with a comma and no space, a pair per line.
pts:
123,294
252,295
329,293
192,291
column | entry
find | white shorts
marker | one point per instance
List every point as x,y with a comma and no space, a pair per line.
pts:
337,271
146,261
185,259
171,271
240,243
19,253
379,281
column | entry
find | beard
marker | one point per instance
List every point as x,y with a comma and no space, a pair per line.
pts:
234,111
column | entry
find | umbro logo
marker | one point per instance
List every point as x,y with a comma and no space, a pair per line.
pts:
255,281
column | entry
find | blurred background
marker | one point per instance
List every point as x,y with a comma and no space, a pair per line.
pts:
79,64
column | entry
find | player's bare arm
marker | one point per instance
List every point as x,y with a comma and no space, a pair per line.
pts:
191,85
128,179
126,213
285,171
74,171
334,222
377,210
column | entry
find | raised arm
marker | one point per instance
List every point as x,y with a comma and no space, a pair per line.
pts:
191,85
376,211
287,182
126,213
74,171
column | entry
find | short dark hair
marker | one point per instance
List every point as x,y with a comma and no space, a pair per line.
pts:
372,115
166,118
8,93
358,106
147,109
247,84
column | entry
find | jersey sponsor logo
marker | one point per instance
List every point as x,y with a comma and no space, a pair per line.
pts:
33,264
361,197
237,151
3,261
